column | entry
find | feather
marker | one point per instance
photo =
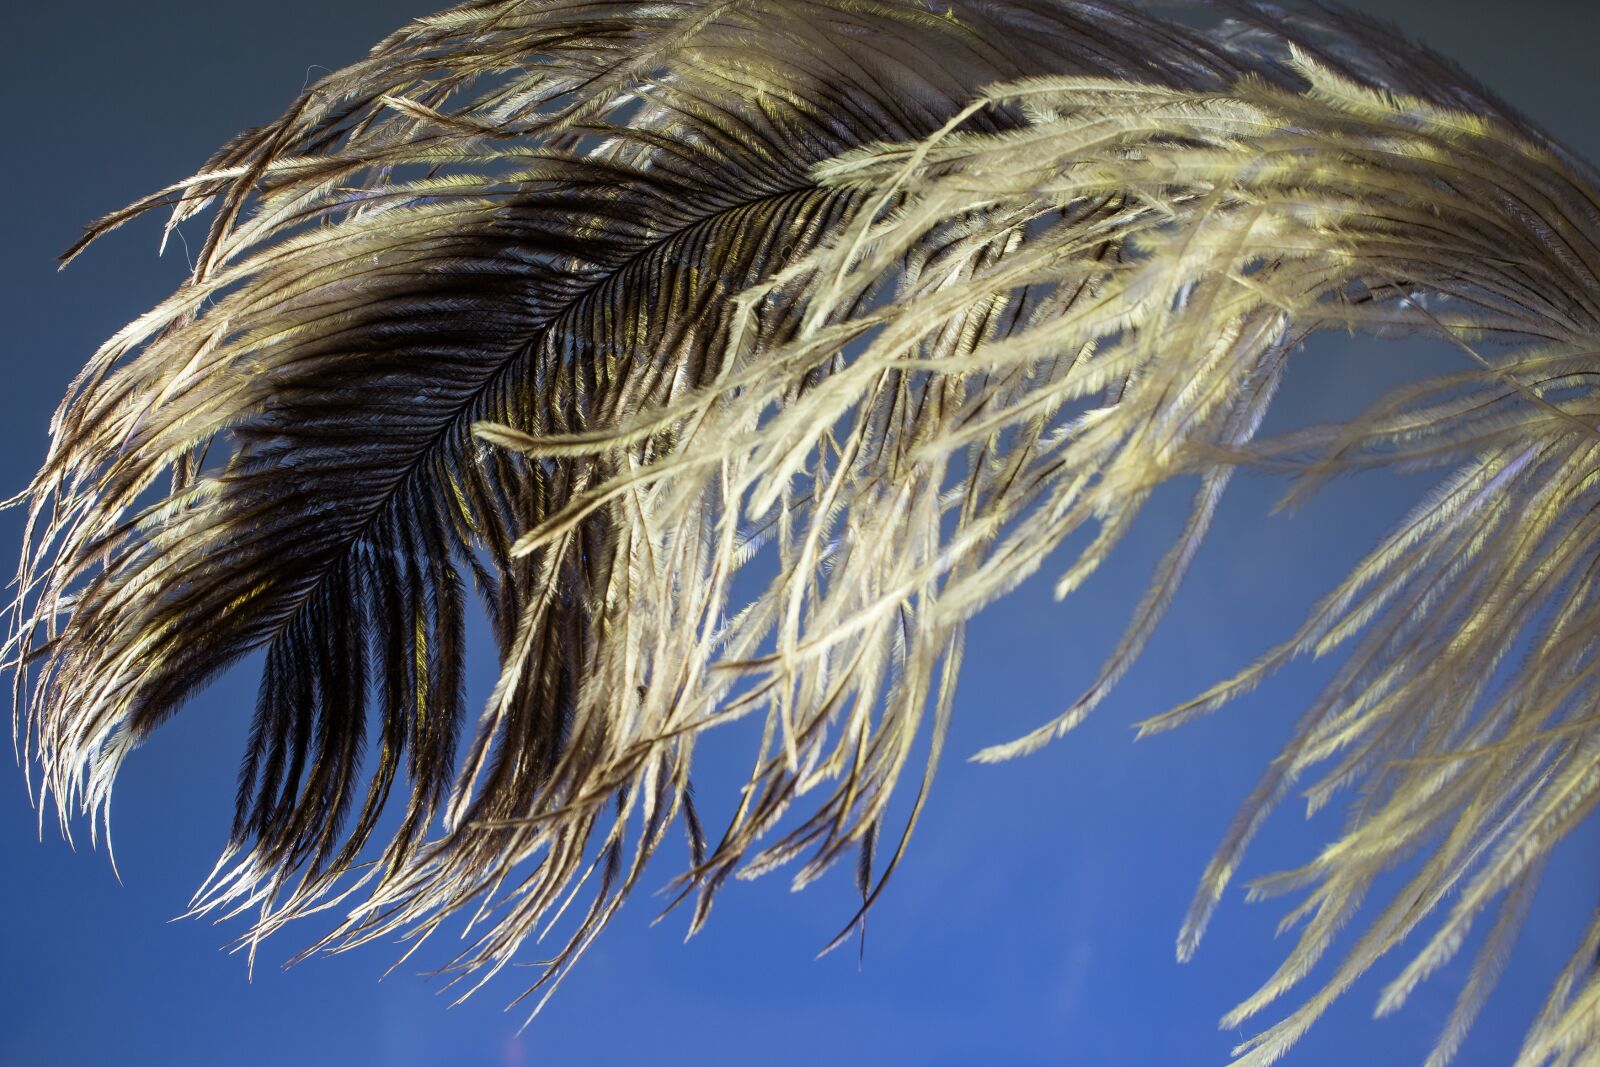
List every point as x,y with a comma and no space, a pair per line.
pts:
616,310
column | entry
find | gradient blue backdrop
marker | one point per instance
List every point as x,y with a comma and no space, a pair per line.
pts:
1033,921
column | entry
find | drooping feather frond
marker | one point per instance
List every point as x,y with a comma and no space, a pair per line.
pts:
1254,217
870,307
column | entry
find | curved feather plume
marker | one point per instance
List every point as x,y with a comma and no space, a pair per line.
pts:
605,306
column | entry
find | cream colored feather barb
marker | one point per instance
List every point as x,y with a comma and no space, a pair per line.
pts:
737,354
1257,216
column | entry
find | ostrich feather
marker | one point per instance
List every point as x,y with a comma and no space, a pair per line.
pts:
616,311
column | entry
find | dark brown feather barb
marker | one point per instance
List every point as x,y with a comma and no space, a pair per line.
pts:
869,305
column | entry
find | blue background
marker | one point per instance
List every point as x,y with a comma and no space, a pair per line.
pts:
1034,918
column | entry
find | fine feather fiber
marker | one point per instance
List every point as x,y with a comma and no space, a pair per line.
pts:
734,355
